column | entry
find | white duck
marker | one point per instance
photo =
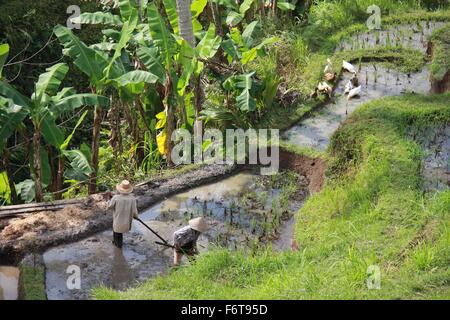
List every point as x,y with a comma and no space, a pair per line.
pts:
348,87
354,92
348,67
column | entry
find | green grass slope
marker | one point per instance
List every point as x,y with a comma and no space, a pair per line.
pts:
372,212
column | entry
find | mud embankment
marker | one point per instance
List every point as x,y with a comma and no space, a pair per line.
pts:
441,86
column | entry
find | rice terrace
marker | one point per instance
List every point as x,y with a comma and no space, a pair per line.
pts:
225,150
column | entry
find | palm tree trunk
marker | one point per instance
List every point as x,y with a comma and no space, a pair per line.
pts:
9,174
95,148
185,21
37,165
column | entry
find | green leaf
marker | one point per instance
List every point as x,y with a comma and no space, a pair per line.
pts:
285,6
51,132
69,137
9,92
246,102
247,35
160,35
230,49
104,18
11,116
183,81
249,56
79,166
135,77
49,82
26,190
197,7
150,58
245,6
210,43
127,9
5,191
171,12
78,100
234,18
4,50
88,60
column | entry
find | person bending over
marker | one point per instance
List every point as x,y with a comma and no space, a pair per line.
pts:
185,239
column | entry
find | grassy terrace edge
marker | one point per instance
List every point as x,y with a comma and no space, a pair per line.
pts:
364,216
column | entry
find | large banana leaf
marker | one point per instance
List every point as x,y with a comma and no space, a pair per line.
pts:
242,83
210,43
150,58
125,36
49,81
245,5
285,6
160,35
9,92
247,35
135,77
51,132
79,166
11,116
127,9
197,7
234,18
170,7
104,18
4,50
88,60
245,101
75,101
26,190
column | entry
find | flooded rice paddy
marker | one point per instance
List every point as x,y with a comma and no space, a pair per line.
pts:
245,211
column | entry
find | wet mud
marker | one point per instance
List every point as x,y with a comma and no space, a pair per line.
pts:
245,211
9,283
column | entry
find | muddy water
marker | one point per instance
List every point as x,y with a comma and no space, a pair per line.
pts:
376,80
235,221
413,36
9,283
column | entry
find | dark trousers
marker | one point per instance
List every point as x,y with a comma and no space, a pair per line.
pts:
118,239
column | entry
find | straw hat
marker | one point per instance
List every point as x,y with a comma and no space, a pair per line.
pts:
198,224
125,187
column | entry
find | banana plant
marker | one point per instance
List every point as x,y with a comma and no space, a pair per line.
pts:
241,46
106,72
44,107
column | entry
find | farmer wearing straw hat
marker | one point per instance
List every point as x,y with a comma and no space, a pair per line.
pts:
125,209
185,239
